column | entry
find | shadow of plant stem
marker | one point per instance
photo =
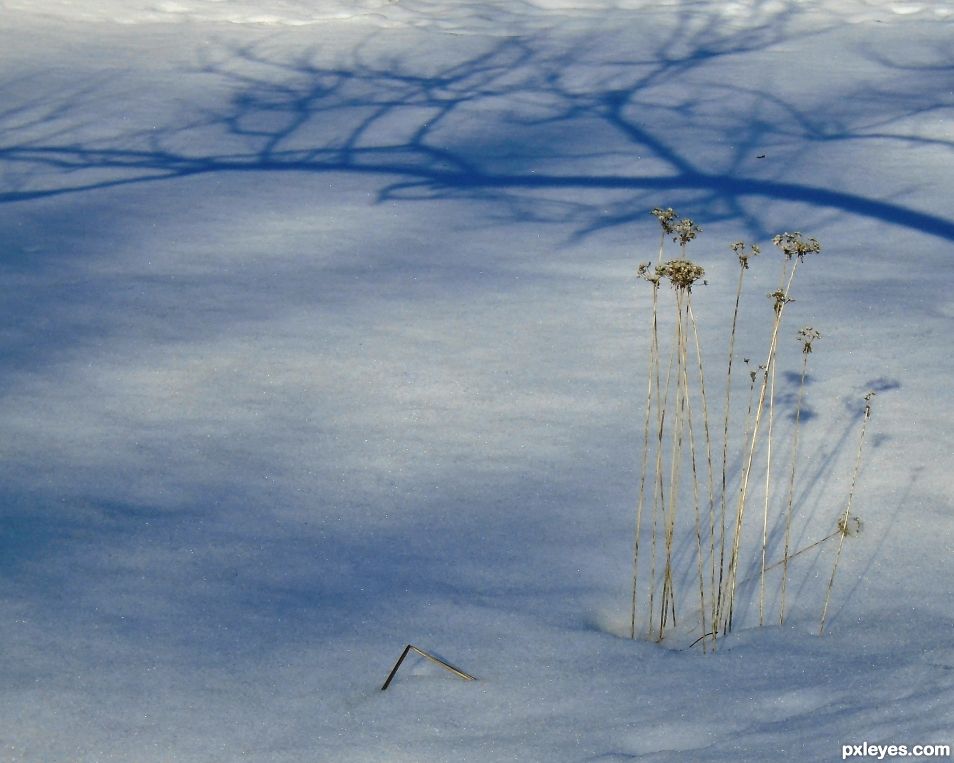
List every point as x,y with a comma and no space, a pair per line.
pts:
587,139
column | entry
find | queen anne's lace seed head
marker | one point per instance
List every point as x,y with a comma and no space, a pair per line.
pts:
806,336
793,245
781,299
685,231
682,274
739,248
645,272
666,218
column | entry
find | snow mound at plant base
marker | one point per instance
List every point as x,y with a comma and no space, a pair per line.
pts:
462,16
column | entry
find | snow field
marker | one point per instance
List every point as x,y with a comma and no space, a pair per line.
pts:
322,337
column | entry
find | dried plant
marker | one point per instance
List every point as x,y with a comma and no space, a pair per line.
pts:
666,218
682,275
794,248
675,431
807,337
685,231
847,524
743,257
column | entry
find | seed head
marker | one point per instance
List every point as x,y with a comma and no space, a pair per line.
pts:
685,230
644,272
781,299
806,336
755,373
665,217
682,274
793,245
848,526
739,248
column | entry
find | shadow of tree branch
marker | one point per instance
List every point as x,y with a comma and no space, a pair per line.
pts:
586,139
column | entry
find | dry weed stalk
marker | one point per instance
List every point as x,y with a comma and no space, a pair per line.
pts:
673,431
845,525
806,336
681,274
795,249
666,219
743,257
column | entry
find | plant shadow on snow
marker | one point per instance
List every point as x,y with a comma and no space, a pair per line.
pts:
819,497
585,139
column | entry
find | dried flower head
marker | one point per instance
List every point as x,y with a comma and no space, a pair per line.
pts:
781,298
682,274
739,248
644,272
806,336
868,397
848,526
685,230
665,217
755,373
793,245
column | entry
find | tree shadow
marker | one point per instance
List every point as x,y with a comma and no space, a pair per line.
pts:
588,139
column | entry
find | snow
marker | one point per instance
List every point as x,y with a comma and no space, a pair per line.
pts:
494,17
321,336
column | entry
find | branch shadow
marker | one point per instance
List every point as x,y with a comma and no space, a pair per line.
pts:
592,140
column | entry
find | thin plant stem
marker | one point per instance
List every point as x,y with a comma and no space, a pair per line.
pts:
708,440
665,218
779,304
739,249
768,487
795,554
790,499
806,336
681,274
659,488
795,248
697,509
652,376
746,432
717,599
843,526
659,493
801,551
675,464
781,300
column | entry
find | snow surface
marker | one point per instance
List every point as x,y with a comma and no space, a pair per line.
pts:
321,336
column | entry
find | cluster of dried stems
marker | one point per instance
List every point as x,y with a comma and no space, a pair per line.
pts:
675,431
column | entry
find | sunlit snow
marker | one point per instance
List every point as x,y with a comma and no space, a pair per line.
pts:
321,336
